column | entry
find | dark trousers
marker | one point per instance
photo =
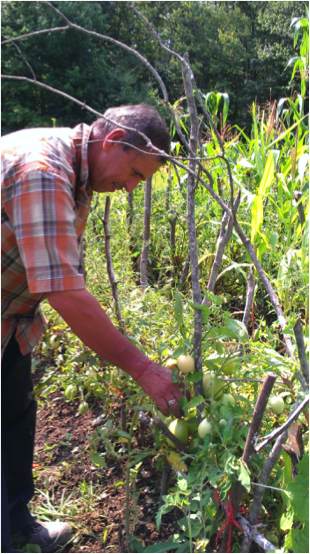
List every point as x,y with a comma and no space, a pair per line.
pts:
18,418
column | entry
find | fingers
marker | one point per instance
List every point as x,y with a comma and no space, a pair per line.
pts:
170,407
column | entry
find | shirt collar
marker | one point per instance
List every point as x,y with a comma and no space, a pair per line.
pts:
81,134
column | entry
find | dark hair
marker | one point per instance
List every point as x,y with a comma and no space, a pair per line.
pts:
141,117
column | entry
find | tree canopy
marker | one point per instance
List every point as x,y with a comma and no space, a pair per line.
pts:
240,48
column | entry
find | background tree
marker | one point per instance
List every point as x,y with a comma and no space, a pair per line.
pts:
240,48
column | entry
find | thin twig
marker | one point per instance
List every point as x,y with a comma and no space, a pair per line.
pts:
301,350
249,298
24,59
110,270
223,240
34,33
179,181
259,411
244,379
146,232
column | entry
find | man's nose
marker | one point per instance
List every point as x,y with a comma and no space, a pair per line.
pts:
131,184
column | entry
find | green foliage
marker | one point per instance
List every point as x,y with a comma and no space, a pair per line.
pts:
297,517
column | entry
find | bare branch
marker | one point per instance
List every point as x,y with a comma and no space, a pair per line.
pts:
34,33
244,379
298,408
118,43
179,180
224,238
251,532
24,59
156,35
259,411
110,270
260,490
191,225
252,437
140,57
148,144
249,298
301,350
146,232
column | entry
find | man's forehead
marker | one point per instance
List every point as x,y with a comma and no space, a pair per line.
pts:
147,157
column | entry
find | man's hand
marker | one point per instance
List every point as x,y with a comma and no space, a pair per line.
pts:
157,383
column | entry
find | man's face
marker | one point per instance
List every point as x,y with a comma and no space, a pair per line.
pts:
111,168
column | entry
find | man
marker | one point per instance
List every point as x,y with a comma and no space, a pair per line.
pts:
48,178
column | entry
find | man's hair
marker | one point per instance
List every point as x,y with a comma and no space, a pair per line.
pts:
141,117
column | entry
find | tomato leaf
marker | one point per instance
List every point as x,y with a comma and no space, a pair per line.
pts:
245,477
195,402
178,308
98,460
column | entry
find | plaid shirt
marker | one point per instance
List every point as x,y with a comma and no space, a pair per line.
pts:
46,199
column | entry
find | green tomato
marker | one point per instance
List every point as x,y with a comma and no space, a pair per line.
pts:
228,400
178,427
229,367
171,215
212,386
204,428
83,408
222,422
276,404
186,363
71,392
193,447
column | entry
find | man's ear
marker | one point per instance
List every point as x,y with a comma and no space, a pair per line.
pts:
112,137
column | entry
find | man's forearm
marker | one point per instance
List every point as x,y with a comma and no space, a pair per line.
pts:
90,323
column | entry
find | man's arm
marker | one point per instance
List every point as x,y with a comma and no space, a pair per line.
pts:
90,323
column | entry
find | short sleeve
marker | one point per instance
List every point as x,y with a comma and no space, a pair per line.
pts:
44,218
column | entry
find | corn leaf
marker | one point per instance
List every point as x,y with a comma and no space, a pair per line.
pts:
268,176
257,216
